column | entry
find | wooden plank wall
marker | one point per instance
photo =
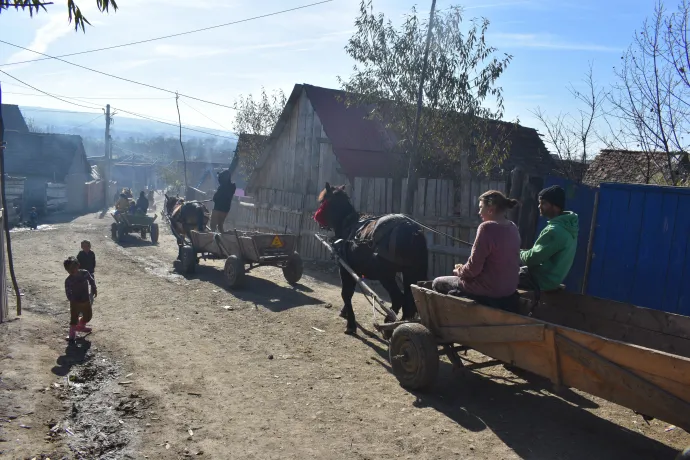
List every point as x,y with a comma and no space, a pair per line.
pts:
438,204
56,197
14,194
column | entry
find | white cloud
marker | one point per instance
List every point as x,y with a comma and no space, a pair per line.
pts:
56,27
545,41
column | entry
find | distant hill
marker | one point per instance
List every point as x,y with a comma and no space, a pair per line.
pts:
84,124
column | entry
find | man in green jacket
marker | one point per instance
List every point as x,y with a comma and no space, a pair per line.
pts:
546,265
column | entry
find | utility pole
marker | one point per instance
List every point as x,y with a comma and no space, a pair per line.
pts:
411,173
107,153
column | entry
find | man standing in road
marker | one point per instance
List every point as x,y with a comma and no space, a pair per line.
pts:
222,200
545,266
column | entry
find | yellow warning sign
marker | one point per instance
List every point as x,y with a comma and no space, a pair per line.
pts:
276,243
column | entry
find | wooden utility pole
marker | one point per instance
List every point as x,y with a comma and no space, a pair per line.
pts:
107,154
411,172
184,156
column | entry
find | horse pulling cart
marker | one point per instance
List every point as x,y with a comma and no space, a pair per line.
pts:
242,252
636,357
134,223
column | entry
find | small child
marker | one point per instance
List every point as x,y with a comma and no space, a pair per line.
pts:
77,291
87,260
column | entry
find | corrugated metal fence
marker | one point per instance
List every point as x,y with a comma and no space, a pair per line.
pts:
640,251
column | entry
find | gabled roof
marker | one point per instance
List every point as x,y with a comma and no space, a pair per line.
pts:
45,155
13,119
634,167
364,147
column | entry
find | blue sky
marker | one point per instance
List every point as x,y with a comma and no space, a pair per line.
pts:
552,42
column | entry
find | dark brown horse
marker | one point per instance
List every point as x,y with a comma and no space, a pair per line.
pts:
186,216
376,248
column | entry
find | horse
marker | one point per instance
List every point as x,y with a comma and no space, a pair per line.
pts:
377,248
185,216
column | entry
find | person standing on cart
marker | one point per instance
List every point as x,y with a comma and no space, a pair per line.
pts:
222,200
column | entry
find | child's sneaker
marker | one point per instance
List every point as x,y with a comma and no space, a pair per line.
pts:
72,333
81,326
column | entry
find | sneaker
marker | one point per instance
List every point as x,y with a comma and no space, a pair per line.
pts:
81,327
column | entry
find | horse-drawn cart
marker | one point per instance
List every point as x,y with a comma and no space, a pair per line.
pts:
636,357
242,252
134,223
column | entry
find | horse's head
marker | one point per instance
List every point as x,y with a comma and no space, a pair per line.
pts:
334,207
170,203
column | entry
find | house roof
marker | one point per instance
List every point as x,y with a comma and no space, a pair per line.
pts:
633,167
364,147
13,119
45,155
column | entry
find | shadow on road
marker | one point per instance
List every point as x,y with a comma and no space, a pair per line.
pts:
533,422
75,353
259,291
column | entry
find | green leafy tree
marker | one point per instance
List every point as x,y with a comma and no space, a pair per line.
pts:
462,101
73,11
256,117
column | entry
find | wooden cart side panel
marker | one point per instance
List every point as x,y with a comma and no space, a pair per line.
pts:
204,242
650,395
660,380
645,318
606,327
248,251
230,243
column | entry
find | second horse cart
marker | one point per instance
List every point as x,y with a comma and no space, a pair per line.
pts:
134,223
243,251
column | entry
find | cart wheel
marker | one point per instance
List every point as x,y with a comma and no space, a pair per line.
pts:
188,259
414,356
234,271
293,269
121,232
113,231
154,233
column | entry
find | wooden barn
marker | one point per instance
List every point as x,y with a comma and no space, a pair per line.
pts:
319,139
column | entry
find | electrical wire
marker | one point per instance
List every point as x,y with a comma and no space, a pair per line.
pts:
107,98
208,118
171,35
116,108
88,122
116,77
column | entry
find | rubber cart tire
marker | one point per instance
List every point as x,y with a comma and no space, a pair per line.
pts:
187,259
234,271
154,233
413,355
293,269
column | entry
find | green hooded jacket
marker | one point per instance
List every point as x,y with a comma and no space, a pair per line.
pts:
553,253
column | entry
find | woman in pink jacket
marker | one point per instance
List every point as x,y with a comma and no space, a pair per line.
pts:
492,271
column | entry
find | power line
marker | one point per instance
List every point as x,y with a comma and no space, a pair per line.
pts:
48,94
115,76
92,98
172,35
171,124
32,109
114,108
208,118
88,122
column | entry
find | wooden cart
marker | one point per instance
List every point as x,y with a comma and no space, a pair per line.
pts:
242,252
636,357
134,223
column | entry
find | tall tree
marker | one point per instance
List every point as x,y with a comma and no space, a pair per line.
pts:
573,137
462,100
651,97
73,11
256,117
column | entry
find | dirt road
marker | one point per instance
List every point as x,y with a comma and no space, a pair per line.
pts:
180,367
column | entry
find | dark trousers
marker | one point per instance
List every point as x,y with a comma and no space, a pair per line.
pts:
527,281
77,309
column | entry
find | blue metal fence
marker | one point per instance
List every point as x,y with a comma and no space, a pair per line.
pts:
580,200
640,251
